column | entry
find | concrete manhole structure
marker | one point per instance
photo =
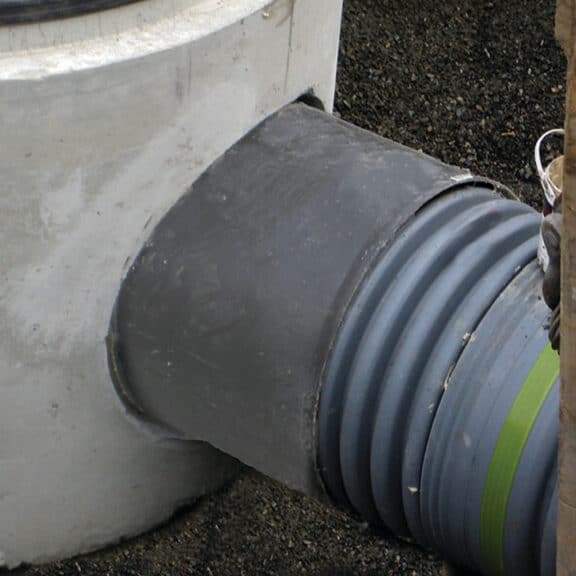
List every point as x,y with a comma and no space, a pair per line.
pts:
107,117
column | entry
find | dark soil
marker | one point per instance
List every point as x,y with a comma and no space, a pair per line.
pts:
253,527
471,82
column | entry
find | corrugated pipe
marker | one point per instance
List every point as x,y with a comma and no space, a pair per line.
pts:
355,318
438,417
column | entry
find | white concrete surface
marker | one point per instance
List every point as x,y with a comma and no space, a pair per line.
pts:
105,120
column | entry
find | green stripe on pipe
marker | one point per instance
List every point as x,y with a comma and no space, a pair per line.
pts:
507,454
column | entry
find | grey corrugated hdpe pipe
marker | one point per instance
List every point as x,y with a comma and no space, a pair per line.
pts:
349,316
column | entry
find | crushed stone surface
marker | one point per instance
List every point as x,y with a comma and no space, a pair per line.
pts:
471,83
253,527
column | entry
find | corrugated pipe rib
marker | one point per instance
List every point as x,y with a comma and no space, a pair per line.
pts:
349,316
438,414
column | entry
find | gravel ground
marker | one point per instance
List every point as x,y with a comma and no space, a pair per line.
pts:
253,527
471,82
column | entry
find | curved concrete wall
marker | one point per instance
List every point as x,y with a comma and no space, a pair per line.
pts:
105,121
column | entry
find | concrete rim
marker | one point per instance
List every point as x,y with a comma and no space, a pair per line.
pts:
39,50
